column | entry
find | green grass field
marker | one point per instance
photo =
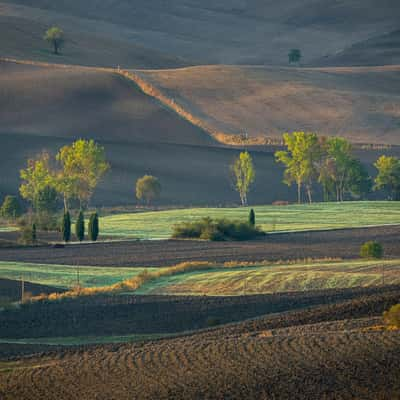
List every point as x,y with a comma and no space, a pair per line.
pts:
66,276
277,278
158,225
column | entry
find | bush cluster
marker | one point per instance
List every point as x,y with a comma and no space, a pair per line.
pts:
392,316
371,250
216,230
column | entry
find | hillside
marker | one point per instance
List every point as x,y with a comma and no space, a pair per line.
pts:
380,50
227,32
362,104
47,107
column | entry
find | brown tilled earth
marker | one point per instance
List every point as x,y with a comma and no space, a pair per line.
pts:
325,352
282,246
11,289
361,104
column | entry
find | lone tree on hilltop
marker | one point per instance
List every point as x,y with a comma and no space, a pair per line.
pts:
244,174
66,227
294,56
55,36
148,188
80,227
93,229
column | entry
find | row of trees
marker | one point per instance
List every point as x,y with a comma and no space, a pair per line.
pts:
93,227
311,160
73,175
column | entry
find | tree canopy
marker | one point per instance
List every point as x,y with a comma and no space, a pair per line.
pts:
83,164
148,188
55,36
35,178
388,177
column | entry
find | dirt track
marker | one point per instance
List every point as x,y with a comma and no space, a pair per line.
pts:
339,243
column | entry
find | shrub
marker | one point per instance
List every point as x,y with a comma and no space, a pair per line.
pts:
252,218
80,227
93,228
221,229
371,250
392,316
28,235
11,208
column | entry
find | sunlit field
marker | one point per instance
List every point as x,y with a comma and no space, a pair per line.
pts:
158,225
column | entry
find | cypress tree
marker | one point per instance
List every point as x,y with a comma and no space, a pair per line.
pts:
80,227
33,233
93,227
66,227
252,218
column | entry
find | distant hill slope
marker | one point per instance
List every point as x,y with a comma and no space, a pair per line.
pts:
206,32
380,50
47,107
362,104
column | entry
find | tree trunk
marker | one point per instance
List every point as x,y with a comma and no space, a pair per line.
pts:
55,47
309,194
298,192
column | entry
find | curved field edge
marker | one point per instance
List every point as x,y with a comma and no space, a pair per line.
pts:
305,217
66,276
275,278
205,278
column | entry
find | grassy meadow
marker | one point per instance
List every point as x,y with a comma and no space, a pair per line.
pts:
158,224
66,276
274,278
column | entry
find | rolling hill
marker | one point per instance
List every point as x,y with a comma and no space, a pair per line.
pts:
158,33
361,104
43,107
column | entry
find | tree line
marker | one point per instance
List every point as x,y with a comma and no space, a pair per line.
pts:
311,160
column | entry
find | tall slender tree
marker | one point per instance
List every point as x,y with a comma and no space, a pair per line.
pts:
252,218
80,226
66,227
93,228
244,175
302,160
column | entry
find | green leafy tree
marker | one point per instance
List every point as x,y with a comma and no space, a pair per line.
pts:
55,36
294,56
11,208
341,173
80,227
93,229
388,177
66,227
36,178
302,160
358,182
83,166
148,188
371,250
47,199
244,175
252,218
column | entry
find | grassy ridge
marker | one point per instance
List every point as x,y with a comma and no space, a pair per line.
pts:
158,225
66,276
277,278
